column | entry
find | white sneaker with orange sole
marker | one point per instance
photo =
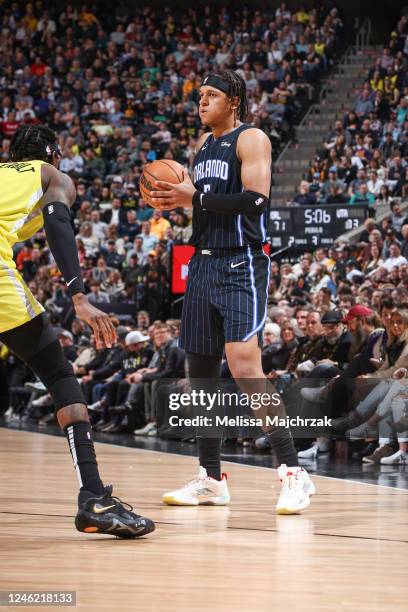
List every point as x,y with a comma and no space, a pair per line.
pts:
203,490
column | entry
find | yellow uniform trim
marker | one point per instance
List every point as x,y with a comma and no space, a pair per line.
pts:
20,218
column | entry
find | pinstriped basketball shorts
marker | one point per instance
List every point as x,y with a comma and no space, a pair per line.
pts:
225,299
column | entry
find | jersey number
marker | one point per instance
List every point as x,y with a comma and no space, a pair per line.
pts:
206,188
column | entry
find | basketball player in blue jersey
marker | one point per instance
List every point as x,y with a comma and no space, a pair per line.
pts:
36,194
226,297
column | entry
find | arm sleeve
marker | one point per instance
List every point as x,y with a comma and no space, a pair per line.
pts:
61,240
246,202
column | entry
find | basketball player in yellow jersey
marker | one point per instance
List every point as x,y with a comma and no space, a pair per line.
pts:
34,193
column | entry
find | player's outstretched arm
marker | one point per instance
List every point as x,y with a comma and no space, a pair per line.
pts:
59,195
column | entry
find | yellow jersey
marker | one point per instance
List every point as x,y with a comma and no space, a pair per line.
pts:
20,218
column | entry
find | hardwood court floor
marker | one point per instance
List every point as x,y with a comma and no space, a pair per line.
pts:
348,551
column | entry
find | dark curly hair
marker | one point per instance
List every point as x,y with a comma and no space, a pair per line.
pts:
33,142
237,87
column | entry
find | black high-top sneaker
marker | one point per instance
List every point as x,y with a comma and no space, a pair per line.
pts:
107,514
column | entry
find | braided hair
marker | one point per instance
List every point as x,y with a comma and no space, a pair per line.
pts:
237,88
31,142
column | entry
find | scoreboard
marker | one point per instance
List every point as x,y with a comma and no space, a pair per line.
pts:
312,226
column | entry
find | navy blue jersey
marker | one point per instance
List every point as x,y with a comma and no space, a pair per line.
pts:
218,169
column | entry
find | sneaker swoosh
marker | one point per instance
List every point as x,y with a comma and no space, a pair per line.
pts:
100,510
237,264
205,492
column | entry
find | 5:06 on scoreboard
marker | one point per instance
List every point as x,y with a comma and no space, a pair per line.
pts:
313,225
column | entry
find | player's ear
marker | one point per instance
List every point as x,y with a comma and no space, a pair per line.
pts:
234,103
55,159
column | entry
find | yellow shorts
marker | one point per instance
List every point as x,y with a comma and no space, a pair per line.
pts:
17,303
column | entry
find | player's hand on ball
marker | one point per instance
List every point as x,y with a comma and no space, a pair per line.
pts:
171,195
103,329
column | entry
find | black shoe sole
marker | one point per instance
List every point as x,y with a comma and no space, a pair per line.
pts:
112,524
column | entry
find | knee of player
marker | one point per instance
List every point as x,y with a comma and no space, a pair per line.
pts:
241,368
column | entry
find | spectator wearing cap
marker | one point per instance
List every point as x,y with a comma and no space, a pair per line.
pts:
335,345
366,342
129,198
133,273
169,363
112,257
359,321
117,186
343,255
315,185
67,342
333,181
130,353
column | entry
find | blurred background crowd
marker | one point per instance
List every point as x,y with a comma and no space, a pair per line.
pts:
121,88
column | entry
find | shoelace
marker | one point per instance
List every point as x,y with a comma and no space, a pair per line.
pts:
194,481
121,505
291,480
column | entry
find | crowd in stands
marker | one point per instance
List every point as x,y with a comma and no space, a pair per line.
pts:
120,86
363,159
125,94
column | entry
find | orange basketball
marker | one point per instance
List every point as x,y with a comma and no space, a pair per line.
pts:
160,170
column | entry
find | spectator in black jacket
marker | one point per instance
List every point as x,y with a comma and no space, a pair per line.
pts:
67,342
95,379
167,363
304,197
135,355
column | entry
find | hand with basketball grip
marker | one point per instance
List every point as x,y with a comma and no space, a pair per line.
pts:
172,195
